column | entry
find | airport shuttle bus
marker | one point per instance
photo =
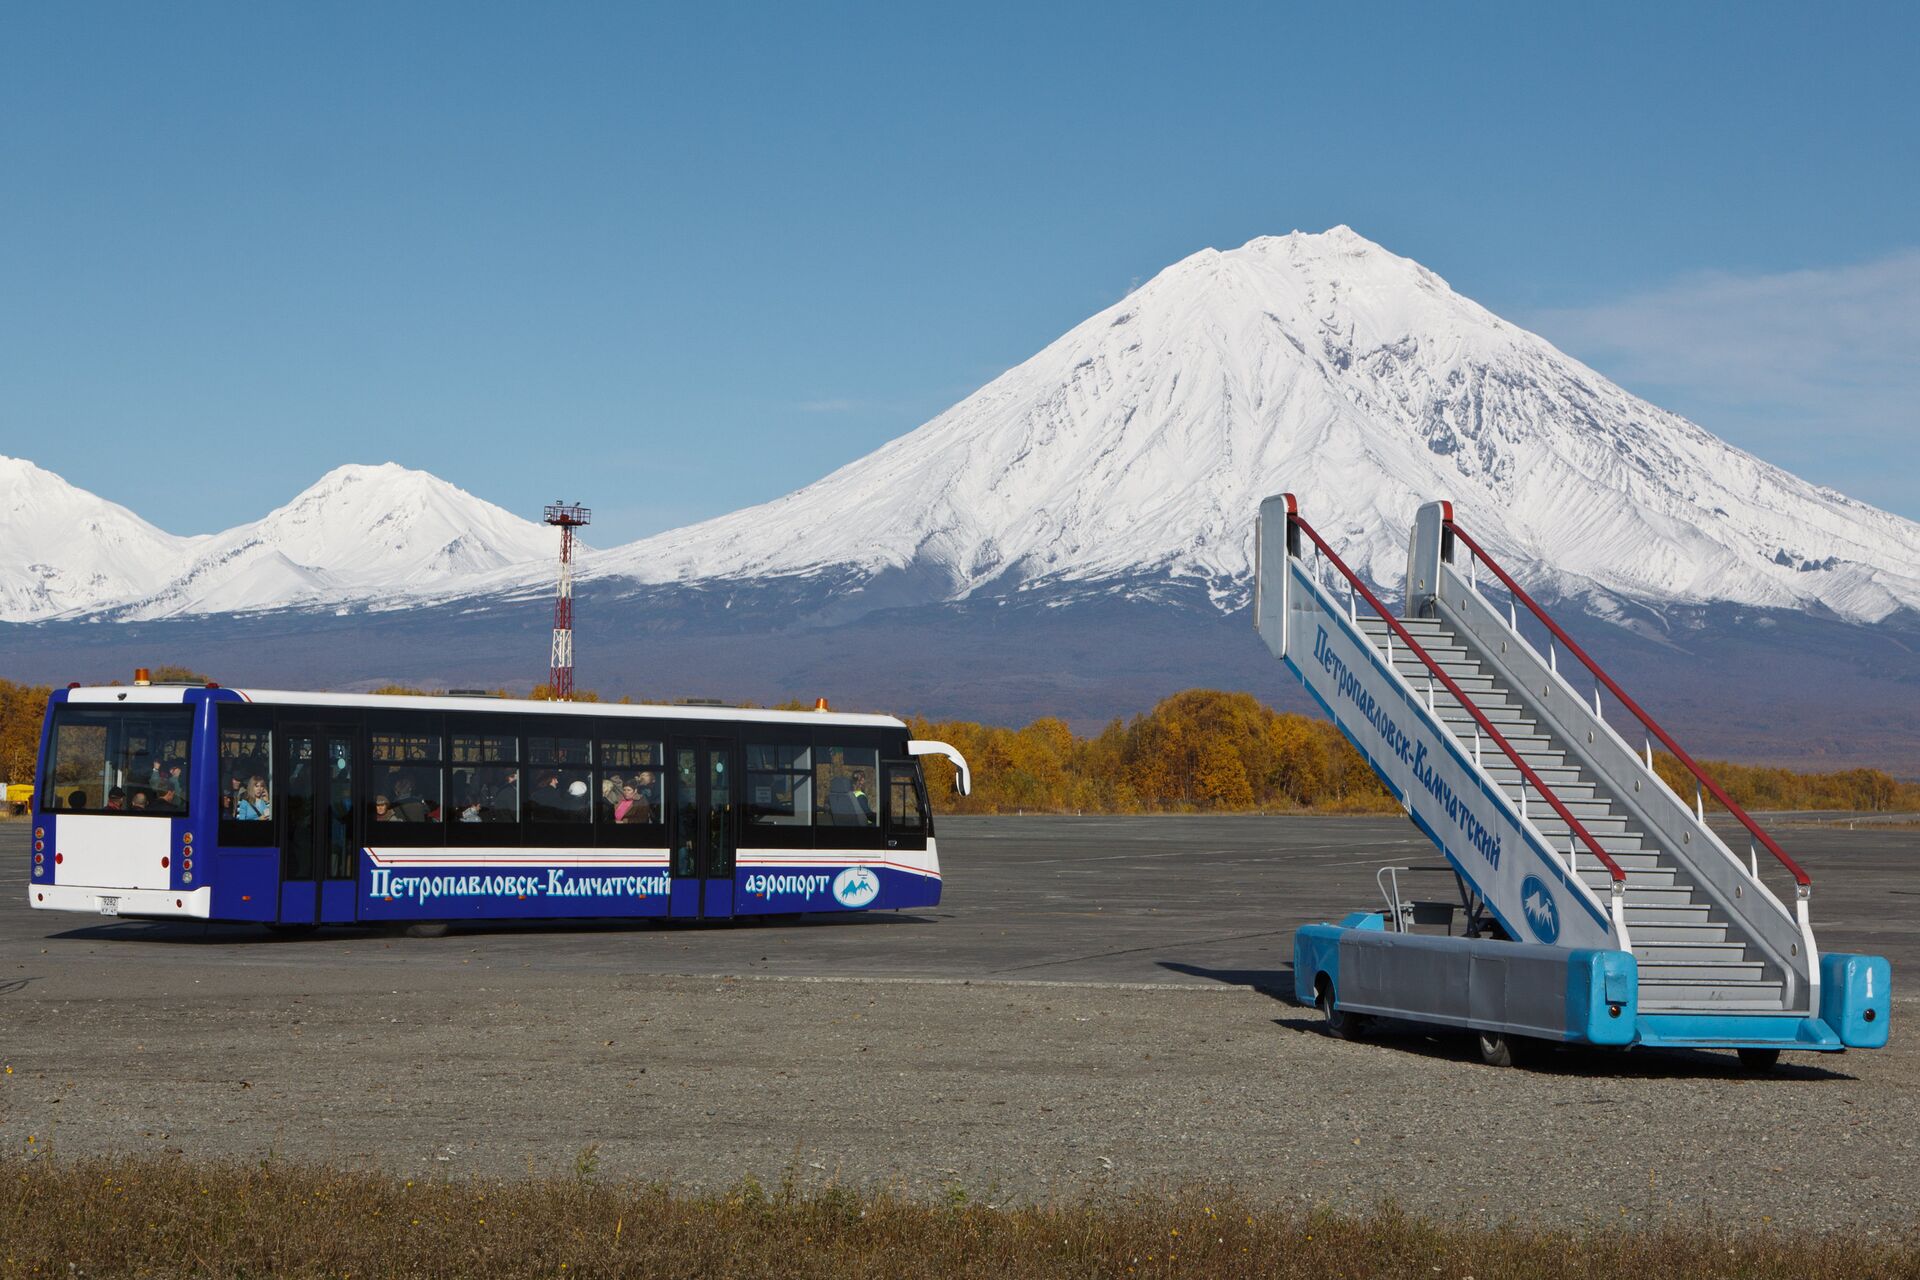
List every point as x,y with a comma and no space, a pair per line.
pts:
301,809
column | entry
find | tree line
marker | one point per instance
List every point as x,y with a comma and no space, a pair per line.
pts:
1198,751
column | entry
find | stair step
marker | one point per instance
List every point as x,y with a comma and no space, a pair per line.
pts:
1550,824
1471,683
1642,896
1648,950
1655,878
1689,915
1672,995
1650,931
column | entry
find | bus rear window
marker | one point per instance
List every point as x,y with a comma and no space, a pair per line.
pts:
118,760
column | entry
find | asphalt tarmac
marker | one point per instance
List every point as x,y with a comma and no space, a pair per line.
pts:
1092,1008
1094,899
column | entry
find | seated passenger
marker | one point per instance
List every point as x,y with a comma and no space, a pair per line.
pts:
505,806
140,799
544,802
407,807
117,800
254,804
382,811
632,806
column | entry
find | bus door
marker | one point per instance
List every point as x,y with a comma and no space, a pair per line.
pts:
701,825
903,798
319,858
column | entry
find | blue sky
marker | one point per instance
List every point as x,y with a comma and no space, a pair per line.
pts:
670,261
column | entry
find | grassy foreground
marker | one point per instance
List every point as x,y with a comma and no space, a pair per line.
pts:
171,1217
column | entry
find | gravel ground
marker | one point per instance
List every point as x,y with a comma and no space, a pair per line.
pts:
993,1090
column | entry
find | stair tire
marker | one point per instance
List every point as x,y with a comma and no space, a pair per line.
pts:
1498,1050
1337,1022
1759,1061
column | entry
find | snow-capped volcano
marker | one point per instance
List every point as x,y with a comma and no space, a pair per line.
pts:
1140,443
63,549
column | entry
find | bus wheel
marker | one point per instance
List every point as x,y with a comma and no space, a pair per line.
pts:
426,929
1759,1060
1339,1024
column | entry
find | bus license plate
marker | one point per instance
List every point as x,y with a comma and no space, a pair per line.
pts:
109,906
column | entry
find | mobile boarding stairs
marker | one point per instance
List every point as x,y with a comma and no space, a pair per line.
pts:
1598,907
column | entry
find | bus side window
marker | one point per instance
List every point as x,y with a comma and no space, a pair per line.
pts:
843,791
903,800
246,766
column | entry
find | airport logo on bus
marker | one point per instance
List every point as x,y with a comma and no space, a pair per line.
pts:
856,887
1543,917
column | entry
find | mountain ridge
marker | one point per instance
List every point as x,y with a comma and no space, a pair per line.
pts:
1131,450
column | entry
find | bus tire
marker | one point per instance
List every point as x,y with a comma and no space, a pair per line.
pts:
1759,1061
426,929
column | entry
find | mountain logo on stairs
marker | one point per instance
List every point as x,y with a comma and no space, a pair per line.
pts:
1543,917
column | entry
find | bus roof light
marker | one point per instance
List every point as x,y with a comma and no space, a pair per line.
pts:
141,676
820,704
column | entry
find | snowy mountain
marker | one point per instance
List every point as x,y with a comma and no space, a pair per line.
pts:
64,550
1138,445
379,535
1127,457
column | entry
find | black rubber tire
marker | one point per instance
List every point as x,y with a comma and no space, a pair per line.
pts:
427,929
1337,1022
1759,1061
1496,1050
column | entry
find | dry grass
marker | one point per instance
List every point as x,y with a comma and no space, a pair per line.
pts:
170,1217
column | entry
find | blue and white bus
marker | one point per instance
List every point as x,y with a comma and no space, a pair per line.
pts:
304,809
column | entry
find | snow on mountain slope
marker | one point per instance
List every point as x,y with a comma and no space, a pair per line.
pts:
63,549
361,533
1141,442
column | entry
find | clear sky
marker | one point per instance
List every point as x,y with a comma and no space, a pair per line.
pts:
672,260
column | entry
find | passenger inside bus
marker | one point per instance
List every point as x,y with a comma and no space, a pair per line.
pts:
407,807
117,800
633,805
254,805
139,800
382,811
505,803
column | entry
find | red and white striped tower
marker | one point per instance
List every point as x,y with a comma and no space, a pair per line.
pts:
567,517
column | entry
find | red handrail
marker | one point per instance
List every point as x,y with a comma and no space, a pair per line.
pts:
1713,788
1526,771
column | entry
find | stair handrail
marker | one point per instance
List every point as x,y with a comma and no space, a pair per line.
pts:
1574,824
1800,877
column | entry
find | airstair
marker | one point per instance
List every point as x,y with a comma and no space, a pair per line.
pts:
1597,904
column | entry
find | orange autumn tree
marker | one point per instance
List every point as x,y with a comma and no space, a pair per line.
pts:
1202,750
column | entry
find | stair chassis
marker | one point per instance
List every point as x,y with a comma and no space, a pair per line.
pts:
1478,752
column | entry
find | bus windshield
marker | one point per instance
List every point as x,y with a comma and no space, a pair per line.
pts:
117,760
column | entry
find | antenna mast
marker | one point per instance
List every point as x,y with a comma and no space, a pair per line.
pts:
567,517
